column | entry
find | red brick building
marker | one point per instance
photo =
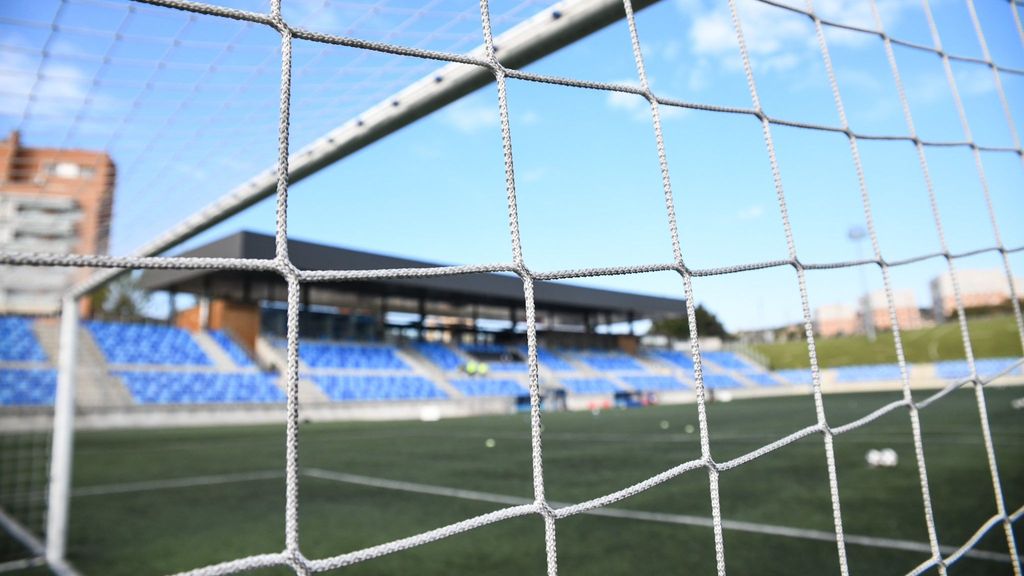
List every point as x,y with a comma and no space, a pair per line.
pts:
54,201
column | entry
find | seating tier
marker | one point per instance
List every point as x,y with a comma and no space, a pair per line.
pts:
27,387
157,387
346,388
146,344
18,342
234,351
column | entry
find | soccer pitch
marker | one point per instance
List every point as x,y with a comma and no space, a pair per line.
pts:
159,501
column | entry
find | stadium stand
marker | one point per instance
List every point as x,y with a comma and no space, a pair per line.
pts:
987,367
234,351
508,366
146,344
488,387
589,385
342,388
868,373
440,355
651,383
350,356
27,387
796,376
761,378
676,359
609,361
485,349
728,360
550,360
720,381
17,341
157,387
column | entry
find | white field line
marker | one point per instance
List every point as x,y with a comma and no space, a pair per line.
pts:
736,525
478,496
12,565
128,487
21,534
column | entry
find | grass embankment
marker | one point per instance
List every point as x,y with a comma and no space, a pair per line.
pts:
991,337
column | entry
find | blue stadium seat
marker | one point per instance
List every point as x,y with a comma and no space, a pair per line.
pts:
650,383
158,387
146,344
796,376
485,349
351,356
18,342
589,385
489,387
868,372
440,355
498,358
550,360
509,366
761,378
986,367
679,359
27,387
347,388
609,361
720,381
728,360
234,351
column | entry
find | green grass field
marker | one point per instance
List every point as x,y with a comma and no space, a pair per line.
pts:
991,337
118,528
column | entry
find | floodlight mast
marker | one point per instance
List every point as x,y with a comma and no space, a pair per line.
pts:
542,34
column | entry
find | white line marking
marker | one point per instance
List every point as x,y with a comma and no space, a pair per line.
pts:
505,500
736,525
125,488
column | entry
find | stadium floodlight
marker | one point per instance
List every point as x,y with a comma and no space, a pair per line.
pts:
553,28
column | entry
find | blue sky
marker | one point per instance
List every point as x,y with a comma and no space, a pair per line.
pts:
588,183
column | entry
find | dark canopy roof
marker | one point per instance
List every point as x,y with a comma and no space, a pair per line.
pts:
486,289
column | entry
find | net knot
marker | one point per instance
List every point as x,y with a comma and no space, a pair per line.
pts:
297,562
711,465
545,509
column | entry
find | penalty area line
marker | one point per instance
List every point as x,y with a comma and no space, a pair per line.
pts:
506,500
660,517
194,481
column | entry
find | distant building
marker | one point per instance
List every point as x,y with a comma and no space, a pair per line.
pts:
836,320
875,306
54,201
978,289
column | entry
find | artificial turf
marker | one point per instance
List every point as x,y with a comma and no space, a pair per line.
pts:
163,530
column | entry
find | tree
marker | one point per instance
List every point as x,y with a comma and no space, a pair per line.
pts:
121,300
679,326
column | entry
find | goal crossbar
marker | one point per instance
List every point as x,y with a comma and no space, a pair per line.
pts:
542,34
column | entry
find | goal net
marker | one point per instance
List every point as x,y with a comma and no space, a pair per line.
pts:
28,492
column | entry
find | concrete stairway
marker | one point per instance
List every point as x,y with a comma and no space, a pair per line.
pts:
271,358
94,386
214,352
428,370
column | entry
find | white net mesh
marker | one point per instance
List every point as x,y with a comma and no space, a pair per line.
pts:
436,47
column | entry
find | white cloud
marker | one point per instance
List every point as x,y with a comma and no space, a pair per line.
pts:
974,80
637,106
470,117
750,213
778,39
54,98
531,175
529,118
